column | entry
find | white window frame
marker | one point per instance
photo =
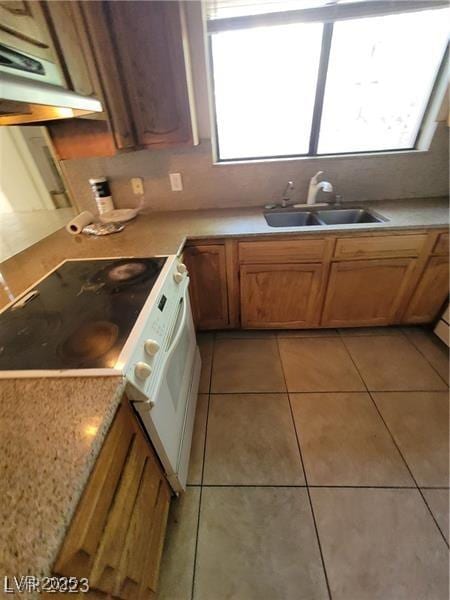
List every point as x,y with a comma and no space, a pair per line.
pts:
328,15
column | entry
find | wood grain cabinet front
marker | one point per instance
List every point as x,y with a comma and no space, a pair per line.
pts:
116,536
431,292
280,296
23,27
135,55
366,292
208,285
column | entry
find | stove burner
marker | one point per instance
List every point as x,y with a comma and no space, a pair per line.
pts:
122,273
91,341
126,271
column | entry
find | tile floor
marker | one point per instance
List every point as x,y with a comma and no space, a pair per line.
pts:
319,470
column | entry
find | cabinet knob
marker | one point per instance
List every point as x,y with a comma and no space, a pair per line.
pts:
151,347
142,370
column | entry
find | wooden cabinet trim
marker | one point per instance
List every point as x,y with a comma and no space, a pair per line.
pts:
286,251
382,246
119,518
430,293
348,302
250,303
442,244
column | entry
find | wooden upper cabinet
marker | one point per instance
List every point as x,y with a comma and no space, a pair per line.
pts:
134,56
430,293
150,40
208,285
66,21
116,536
366,292
23,27
280,296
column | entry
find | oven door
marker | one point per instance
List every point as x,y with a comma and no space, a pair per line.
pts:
167,418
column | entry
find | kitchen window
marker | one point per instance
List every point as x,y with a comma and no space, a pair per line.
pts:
328,79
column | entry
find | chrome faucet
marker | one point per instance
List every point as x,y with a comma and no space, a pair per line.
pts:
315,185
286,194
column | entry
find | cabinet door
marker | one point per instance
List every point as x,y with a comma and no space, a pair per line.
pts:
208,285
367,292
280,296
23,27
431,292
152,50
121,517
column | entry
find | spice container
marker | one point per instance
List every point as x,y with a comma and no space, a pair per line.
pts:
102,194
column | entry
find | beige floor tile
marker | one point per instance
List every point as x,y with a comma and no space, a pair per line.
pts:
438,501
288,333
257,544
344,441
205,343
251,441
245,334
177,564
391,363
198,441
434,350
364,331
247,366
318,365
380,544
419,422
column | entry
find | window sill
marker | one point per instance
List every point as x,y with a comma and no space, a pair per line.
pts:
376,154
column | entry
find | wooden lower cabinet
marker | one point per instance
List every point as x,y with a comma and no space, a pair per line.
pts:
430,293
366,292
208,286
116,536
280,296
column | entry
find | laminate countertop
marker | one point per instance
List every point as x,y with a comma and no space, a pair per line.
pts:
51,430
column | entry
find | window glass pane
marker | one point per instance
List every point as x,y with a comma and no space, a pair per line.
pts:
264,85
380,77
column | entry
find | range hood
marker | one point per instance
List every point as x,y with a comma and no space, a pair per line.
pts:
26,100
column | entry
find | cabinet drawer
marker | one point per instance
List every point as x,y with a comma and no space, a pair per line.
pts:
292,251
441,246
379,246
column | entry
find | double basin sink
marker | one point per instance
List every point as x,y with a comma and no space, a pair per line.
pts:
337,216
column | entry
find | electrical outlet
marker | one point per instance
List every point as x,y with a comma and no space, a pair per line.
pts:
176,183
137,185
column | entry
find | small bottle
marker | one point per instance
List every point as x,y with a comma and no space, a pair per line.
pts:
102,194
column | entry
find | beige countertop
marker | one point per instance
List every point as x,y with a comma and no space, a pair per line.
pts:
166,232
51,430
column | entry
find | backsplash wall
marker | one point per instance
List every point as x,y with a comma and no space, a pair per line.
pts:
219,186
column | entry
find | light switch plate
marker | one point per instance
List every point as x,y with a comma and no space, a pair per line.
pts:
137,185
176,183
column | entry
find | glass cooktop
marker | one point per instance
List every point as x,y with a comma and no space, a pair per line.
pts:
80,316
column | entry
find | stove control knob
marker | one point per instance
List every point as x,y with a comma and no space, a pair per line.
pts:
142,370
181,268
177,277
151,347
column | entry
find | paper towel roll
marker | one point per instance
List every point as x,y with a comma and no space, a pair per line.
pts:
75,226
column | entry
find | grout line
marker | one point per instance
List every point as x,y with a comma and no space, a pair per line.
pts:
306,477
413,343
311,485
203,468
399,451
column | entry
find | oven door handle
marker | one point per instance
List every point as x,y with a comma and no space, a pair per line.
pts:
181,326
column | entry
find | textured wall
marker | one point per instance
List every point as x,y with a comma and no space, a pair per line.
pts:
409,175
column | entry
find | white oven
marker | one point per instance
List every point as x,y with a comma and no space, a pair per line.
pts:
163,382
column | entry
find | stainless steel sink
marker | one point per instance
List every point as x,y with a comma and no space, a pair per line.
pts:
291,219
347,216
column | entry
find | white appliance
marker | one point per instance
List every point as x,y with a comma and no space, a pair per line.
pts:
442,328
158,357
163,376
